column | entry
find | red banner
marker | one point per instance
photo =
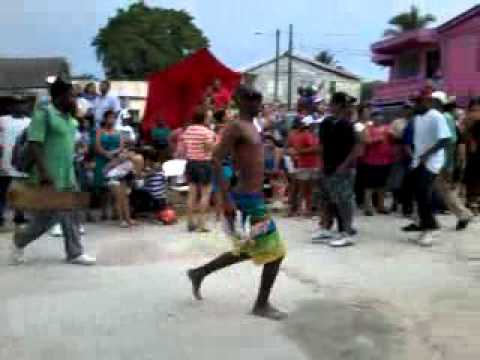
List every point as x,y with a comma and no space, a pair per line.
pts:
175,92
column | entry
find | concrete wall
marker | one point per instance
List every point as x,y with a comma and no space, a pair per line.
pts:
303,75
135,91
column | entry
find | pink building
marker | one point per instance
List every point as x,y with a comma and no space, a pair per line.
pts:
447,57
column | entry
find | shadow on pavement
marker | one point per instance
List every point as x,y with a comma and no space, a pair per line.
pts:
333,330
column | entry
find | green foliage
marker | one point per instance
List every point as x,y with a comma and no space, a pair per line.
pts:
142,40
325,57
411,20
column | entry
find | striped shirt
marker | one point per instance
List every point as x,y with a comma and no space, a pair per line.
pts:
156,185
194,139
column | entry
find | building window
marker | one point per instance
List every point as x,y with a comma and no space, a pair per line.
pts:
270,87
433,64
333,87
408,65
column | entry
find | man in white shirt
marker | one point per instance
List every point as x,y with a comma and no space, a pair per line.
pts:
11,126
105,102
431,138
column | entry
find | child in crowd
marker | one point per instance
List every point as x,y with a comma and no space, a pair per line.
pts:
152,195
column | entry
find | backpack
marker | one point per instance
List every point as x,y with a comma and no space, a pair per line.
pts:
22,160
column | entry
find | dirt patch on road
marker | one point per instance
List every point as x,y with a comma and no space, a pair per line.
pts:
136,248
335,330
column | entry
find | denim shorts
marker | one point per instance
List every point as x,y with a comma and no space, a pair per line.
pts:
199,172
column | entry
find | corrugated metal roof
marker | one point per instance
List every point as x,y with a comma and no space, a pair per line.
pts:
29,73
308,60
474,11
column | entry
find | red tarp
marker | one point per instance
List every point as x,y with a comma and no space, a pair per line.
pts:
175,92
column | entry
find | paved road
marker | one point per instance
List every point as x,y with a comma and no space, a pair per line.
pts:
383,299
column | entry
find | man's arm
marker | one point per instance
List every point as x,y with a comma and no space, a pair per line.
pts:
350,159
230,135
441,144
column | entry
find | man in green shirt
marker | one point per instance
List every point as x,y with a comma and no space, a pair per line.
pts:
51,137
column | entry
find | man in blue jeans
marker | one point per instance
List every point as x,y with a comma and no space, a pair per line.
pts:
51,137
431,136
339,149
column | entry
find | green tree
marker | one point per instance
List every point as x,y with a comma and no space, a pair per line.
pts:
410,20
141,40
326,57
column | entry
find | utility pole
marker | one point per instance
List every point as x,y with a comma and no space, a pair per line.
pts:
277,66
290,67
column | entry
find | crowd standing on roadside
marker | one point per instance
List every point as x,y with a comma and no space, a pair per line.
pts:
323,160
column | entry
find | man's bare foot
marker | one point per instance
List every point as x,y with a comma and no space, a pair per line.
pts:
196,283
269,312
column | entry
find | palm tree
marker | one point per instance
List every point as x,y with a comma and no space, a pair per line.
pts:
325,57
411,20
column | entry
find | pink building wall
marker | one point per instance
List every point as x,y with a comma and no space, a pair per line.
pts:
422,69
459,43
461,58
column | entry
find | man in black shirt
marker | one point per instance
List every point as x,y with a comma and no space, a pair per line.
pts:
338,142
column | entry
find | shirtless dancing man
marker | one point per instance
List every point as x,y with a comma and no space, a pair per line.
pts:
242,140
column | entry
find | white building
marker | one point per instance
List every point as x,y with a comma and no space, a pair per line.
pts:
305,72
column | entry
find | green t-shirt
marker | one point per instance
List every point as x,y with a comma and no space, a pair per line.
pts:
160,135
56,132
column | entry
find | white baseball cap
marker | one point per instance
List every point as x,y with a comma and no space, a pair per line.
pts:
440,96
308,120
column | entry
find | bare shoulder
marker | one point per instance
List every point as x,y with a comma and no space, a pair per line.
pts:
234,129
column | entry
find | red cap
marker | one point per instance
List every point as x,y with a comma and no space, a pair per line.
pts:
425,93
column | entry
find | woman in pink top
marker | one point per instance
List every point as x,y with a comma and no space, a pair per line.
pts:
377,159
198,141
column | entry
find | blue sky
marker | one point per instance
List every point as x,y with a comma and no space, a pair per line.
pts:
346,27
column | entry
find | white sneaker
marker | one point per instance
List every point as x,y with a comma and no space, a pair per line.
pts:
322,236
427,238
17,255
83,260
56,231
82,230
343,240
